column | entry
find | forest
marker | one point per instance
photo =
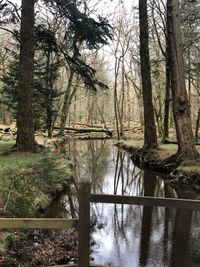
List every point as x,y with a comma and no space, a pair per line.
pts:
99,104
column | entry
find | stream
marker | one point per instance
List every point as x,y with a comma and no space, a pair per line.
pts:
128,235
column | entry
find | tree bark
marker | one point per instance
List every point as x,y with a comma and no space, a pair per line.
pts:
116,101
167,97
150,137
67,102
181,108
197,127
25,117
122,97
49,98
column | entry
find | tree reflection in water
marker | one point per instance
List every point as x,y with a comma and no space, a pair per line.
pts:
149,185
181,241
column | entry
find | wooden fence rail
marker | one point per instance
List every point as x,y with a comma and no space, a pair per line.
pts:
146,201
39,223
74,265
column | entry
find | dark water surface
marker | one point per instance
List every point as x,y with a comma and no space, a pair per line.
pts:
129,236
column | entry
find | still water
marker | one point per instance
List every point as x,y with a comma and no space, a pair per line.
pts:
130,236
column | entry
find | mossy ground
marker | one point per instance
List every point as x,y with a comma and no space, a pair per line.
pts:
190,169
27,178
4,145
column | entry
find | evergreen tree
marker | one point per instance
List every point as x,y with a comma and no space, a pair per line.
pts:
81,30
46,67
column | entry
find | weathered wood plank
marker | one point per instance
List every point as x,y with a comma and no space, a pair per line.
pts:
146,201
74,265
84,224
41,223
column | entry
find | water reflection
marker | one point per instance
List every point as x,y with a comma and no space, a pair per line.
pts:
149,185
90,160
181,241
135,235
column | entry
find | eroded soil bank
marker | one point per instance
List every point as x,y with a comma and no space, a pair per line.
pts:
183,176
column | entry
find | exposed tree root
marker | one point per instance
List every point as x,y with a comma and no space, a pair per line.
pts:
184,180
149,159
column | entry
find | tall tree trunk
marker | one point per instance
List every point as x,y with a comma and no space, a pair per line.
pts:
181,108
49,98
197,127
122,98
25,117
66,104
189,75
116,104
150,137
167,97
128,113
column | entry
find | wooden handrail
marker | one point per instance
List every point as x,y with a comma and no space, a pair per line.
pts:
146,201
37,223
74,265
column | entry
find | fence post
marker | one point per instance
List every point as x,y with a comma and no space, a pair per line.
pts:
84,224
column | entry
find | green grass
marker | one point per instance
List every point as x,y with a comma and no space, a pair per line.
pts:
17,161
135,125
26,178
190,169
4,236
135,143
6,144
168,147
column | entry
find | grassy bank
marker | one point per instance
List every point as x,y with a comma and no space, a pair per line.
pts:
29,182
166,150
29,179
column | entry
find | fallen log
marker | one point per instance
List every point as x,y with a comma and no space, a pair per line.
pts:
92,137
87,125
86,130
